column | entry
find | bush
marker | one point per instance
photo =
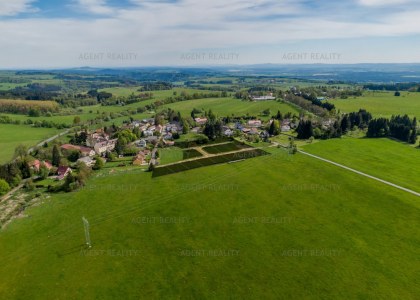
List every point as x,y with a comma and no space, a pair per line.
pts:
4,187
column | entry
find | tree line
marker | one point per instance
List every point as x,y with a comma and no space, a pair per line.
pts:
400,127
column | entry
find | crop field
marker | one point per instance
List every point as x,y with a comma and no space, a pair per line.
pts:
175,154
206,161
229,106
264,223
224,148
9,86
127,91
67,119
13,135
191,153
384,158
382,104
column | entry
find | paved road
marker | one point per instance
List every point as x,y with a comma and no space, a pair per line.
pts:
49,139
361,173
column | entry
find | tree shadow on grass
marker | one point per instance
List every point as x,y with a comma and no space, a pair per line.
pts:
71,250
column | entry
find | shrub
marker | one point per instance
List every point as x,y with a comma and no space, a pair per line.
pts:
4,187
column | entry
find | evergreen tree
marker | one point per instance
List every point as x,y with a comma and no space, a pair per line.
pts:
305,129
56,156
413,136
25,170
345,124
274,128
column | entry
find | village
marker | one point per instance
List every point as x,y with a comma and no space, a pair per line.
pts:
139,141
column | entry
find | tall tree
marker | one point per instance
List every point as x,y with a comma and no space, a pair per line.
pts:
274,128
21,151
56,156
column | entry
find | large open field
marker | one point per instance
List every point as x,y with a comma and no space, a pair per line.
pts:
271,227
382,104
13,135
384,158
229,106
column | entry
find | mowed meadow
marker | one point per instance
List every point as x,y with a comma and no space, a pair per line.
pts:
276,226
384,158
382,104
12,135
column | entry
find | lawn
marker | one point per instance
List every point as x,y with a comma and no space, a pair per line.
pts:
265,228
175,154
384,158
170,155
382,104
12,135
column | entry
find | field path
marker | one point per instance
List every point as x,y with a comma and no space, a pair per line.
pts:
207,156
10,193
361,173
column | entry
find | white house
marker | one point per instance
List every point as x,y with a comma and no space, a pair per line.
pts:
105,146
285,128
142,143
263,98
254,123
228,132
88,161
201,121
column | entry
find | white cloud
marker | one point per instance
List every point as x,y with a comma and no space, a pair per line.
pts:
14,7
95,7
160,32
383,2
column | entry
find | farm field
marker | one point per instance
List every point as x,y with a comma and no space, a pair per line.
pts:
170,155
127,91
272,232
13,135
9,86
228,147
382,104
91,112
68,119
229,106
175,154
384,158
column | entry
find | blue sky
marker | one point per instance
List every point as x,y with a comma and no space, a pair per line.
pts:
111,33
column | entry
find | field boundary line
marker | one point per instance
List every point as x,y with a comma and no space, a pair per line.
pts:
361,173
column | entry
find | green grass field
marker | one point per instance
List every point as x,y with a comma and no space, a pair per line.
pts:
384,158
9,86
14,135
175,154
170,155
271,227
127,91
382,104
229,106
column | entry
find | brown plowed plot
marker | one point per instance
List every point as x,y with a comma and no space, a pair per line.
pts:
226,147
